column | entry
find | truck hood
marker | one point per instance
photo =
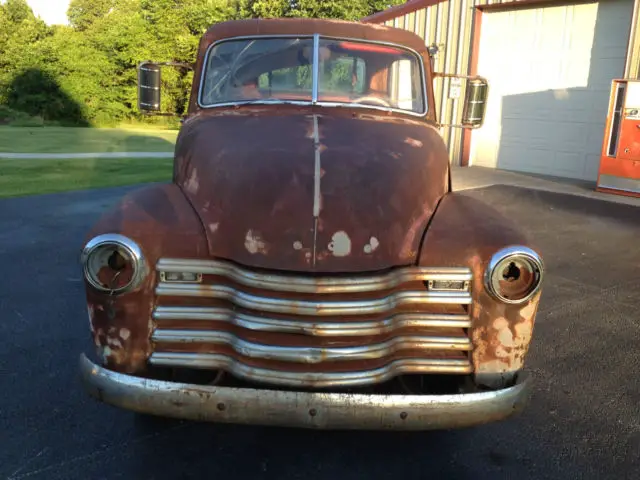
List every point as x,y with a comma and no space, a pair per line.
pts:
312,192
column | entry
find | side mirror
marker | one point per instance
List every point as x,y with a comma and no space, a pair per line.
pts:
149,78
475,100
475,103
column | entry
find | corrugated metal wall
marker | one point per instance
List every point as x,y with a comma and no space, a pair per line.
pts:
449,25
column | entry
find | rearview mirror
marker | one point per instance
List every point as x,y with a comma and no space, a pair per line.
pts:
149,78
475,103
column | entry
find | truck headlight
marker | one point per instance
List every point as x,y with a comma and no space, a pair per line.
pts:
113,263
514,274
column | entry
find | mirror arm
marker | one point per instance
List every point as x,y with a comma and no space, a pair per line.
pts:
158,114
458,125
455,75
188,66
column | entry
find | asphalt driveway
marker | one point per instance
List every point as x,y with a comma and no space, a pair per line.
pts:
583,420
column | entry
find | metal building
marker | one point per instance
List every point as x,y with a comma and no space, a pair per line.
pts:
549,64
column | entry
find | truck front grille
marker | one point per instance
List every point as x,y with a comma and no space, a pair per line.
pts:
313,332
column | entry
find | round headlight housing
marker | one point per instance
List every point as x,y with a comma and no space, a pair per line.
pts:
113,263
514,275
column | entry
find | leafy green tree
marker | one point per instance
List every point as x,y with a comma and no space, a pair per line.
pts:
5,28
38,93
121,40
87,71
263,8
18,11
83,13
347,10
176,27
85,74
20,32
339,9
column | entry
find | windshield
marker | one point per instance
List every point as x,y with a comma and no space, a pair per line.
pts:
262,70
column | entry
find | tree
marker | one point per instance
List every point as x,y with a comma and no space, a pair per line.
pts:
38,93
263,8
93,61
85,74
20,32
347,10
176,27
83,13
339,9
120,40
18,11
6,26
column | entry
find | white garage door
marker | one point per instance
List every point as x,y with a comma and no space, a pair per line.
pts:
550,72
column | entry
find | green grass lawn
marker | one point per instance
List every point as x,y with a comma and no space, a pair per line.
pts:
81,140
32,177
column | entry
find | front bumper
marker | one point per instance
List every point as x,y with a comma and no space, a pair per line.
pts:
301,409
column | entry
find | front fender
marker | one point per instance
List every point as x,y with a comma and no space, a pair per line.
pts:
162,222
467,232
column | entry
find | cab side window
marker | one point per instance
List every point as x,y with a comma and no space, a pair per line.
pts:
404,84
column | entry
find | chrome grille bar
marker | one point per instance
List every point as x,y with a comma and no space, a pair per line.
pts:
313,355
320,307
314,328
383,318
309,284
310,379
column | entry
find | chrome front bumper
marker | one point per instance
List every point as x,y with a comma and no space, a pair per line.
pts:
301,409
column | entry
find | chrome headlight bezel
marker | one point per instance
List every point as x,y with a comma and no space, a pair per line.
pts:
124,244
513,254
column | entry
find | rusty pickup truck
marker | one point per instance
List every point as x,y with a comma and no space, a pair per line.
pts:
309,264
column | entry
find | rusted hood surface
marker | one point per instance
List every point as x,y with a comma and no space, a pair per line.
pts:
305,192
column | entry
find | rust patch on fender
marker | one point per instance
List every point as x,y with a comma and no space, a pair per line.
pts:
467,232
122,338
501,334
161,221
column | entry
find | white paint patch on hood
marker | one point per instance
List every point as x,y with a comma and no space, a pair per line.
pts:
372,245
340,244
253,242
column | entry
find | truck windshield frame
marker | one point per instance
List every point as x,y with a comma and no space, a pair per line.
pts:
315,95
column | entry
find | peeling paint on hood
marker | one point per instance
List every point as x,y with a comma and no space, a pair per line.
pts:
317,187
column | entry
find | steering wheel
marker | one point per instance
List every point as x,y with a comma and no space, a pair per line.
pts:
371,99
